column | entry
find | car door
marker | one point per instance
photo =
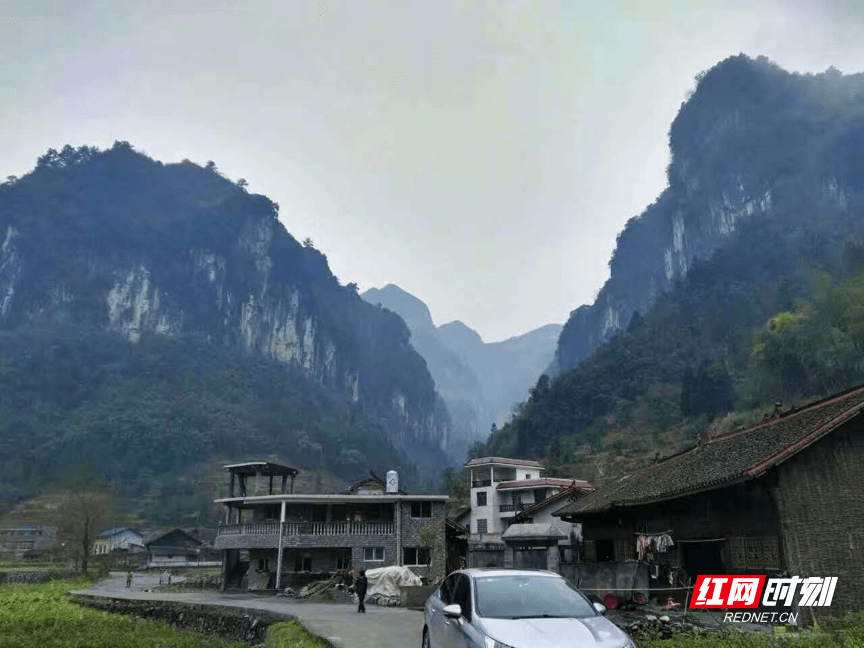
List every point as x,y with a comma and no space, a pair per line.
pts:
457,632
437,602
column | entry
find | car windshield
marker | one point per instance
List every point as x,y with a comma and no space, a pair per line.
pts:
527,597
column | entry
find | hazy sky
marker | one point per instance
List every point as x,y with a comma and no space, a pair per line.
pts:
481,155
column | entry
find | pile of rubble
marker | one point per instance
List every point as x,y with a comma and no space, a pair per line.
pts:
331,589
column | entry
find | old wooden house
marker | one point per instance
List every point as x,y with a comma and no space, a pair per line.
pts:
781,497
304,537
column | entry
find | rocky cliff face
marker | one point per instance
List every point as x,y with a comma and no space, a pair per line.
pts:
118,243
750,139
479,381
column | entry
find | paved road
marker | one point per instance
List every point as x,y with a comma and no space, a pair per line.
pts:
341,625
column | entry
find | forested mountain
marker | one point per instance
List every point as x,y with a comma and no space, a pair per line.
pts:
735,289
480,382
153,315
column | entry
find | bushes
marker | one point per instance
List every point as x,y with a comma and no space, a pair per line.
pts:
292,635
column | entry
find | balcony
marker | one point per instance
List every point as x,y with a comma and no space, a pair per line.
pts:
307,529
511,508
481,483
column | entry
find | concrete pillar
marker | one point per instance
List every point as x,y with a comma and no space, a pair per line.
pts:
553,558
509,560
279,545
232,484
398,522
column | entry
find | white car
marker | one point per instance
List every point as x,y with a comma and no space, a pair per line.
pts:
506,608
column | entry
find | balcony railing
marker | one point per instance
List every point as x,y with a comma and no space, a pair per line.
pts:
510,508
307,528
480,483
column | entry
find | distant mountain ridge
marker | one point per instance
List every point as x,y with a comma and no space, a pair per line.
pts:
480,382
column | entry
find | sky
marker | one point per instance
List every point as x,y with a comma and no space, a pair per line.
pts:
482,155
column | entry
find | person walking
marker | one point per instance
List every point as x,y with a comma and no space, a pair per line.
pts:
360,586
129,579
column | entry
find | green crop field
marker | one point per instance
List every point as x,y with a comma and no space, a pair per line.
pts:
41,616
840,632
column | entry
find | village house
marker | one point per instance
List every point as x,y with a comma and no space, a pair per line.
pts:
305,537
116,540
502,490
25,541
781,497
179,548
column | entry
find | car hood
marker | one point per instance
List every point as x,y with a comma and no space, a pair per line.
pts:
555,633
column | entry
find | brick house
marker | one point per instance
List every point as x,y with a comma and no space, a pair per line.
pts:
305,537
783,496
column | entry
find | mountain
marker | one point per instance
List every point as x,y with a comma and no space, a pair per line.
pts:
735,289
455,380
480,382
506,369
749,142
152,315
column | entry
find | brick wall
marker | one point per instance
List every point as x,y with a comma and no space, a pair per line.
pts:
821,513
412,530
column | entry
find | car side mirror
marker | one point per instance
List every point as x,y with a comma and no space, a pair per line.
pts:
600,608
453,611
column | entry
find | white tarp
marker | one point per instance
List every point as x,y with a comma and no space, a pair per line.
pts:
386,581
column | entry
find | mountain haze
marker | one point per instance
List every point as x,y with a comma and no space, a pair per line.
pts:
480,382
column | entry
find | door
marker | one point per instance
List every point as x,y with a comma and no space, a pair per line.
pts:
455,631
530,557
442,598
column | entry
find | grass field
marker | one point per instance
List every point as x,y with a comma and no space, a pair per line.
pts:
41,616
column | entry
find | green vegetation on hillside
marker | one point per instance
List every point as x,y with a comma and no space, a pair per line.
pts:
73,389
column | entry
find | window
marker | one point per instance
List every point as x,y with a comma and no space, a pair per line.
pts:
263,563
481,526
344,561
446,591
373,554
527,476
605,550
539,495
421,509
416,556
481,499
462,595
302,563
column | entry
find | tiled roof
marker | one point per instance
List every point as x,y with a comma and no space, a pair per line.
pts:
722,460
554,500
546,481
502,460
532,532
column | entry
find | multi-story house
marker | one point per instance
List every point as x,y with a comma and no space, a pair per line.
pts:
303,537
24,541
501,489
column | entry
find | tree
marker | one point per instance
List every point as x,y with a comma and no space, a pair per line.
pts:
686,386
635,322
242,183
86,508
353,287
307,242
211,166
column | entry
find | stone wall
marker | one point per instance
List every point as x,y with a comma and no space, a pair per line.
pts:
29,576
231,623
412,536
820,505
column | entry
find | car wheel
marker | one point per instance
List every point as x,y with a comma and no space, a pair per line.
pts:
426,638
